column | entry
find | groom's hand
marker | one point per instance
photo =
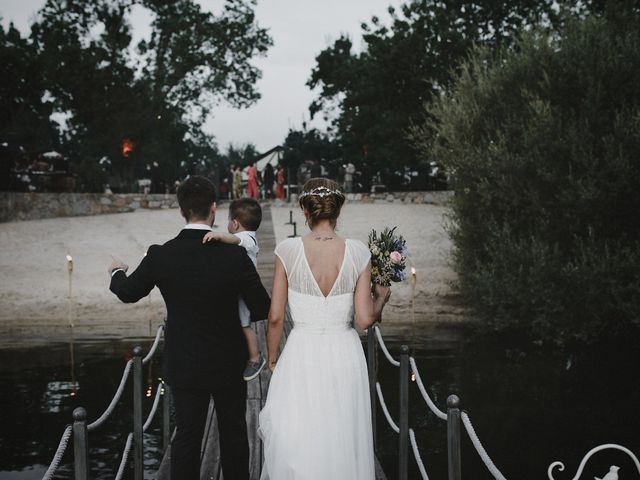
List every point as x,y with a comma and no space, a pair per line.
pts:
118,264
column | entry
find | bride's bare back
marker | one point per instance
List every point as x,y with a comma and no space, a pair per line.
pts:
325,256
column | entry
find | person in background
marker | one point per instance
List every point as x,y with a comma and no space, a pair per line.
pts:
268,177
252,181
237,183
229,181
280,181
349,170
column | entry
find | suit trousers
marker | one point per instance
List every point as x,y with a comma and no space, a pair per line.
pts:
191,407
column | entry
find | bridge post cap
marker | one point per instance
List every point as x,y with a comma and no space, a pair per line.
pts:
137,351
453,401
79,414
404,349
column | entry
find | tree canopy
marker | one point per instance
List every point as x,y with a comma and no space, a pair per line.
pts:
80,63
543,142
372,97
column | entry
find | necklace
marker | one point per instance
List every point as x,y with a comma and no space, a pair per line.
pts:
324,239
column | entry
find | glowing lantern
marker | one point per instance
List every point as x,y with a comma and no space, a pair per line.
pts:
127,147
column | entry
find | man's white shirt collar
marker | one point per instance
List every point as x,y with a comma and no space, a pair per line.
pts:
197,226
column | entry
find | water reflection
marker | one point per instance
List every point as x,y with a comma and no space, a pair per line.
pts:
38,398
529,406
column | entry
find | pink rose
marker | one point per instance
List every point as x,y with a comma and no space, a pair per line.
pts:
395,257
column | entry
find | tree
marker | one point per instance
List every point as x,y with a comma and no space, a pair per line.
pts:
195,58
23,100
304,145
375,96
154,100
543,141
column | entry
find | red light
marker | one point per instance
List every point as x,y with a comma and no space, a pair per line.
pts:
127,147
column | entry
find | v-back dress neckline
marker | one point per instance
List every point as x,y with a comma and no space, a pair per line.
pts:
315,281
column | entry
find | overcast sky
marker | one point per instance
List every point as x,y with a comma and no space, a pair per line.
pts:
300,30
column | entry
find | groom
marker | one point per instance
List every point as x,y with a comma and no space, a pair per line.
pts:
205,349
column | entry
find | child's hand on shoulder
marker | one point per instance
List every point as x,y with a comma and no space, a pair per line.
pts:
212,236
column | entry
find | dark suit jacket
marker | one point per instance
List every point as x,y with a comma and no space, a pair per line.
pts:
204,344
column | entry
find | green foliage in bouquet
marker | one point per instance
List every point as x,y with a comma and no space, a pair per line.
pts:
543,143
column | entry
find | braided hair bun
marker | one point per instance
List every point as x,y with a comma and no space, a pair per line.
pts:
321,199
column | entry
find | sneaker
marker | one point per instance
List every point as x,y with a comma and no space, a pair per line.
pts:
254,368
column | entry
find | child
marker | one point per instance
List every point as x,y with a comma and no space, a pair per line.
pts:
245,216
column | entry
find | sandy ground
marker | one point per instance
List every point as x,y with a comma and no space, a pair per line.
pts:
429,250
34,290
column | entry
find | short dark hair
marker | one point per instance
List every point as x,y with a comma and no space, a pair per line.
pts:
247,212
195,197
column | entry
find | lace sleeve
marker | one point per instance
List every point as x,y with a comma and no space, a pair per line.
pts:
286,252
362,256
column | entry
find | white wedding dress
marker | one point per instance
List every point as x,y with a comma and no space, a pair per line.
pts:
316,424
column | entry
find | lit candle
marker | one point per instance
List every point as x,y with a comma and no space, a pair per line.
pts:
70,270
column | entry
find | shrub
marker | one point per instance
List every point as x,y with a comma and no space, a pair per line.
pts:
543,142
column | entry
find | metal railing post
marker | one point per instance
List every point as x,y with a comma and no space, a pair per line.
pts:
373,375
404,414
166,417
295,231
137,414
80,444
453,437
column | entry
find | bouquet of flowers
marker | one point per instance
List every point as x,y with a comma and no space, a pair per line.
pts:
388,257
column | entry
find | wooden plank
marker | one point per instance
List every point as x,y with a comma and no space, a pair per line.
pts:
253,387
255,444
265,374
380,475
164,472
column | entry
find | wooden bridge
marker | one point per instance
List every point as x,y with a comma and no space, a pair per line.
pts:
257,389
79,431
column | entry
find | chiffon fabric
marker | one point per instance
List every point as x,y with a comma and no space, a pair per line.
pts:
316,423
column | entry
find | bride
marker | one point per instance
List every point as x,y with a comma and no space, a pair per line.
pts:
316,423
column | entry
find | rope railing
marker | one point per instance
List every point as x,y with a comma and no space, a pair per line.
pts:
129,443
81,464
432,406
453,418
154,407
392,360
153,348
392,424
114,401
125,456
416,455
395,428
57,457
466,421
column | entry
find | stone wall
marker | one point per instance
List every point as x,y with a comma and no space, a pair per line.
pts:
432,198
32,206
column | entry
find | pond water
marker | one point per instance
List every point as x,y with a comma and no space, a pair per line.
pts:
529,407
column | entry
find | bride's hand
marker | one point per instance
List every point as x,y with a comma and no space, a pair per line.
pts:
382,292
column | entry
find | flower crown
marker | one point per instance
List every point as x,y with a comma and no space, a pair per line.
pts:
321,192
